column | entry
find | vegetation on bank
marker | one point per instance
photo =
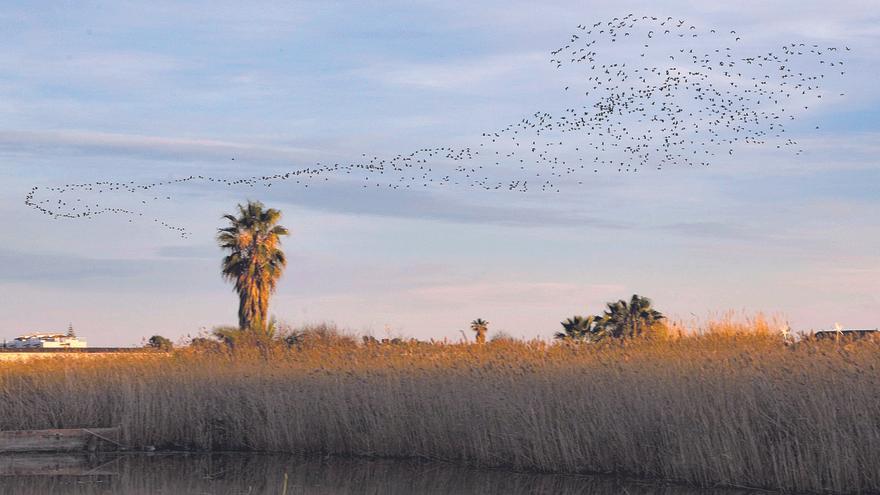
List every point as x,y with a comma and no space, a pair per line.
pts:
623,392
621,319
235,473
730,405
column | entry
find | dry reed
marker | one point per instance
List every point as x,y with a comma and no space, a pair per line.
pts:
734,406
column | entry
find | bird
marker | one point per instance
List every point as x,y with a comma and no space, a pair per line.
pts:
683,104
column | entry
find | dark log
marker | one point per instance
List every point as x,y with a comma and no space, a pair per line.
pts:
55,465
65,440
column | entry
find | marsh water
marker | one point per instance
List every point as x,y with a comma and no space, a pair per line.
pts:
136,474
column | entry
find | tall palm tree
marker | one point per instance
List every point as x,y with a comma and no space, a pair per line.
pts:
480,327
580,328
254,262
630,319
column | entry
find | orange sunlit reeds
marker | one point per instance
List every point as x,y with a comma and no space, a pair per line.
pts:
733,405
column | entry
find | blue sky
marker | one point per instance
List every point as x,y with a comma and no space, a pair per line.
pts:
151,91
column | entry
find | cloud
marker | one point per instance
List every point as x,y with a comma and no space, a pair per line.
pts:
88,71
711,230
16,266
81,272
215,19
537,292
189,252
154,147
451,206
454,75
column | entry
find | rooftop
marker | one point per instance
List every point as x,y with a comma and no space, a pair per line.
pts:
44,336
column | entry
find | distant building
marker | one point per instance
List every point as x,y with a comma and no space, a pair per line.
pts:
46,340
847,333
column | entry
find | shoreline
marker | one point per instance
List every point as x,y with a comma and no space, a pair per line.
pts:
733,411
104,457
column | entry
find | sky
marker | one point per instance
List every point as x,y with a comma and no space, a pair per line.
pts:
149,91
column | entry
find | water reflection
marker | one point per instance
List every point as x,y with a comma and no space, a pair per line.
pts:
267,474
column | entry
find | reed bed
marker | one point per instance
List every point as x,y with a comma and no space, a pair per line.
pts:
734,406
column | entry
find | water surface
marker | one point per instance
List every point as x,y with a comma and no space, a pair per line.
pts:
137,474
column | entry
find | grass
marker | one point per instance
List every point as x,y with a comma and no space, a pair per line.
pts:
731,406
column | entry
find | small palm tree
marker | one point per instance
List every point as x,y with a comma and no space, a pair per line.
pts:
254,262
480,327
580,328
630,319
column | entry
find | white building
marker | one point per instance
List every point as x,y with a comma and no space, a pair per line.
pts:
45,340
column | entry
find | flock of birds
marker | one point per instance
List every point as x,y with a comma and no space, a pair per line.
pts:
646,92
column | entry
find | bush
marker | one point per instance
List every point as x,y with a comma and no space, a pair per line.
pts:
160,342
317,335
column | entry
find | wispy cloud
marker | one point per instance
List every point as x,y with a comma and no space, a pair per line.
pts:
159,147
454,75
16,266
449,206
62,270
188,252
712,230
93,70
538,292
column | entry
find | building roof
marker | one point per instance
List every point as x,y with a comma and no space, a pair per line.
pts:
43,336
851,330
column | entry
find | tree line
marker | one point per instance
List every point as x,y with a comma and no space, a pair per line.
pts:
254,263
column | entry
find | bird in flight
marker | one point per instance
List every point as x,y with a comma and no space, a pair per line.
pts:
635,100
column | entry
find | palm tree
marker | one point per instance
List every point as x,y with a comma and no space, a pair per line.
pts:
579,328
254,262
480,327
631,319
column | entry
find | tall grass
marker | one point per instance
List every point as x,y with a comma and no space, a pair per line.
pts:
733,406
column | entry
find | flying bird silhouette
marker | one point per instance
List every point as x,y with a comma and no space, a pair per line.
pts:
637,100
